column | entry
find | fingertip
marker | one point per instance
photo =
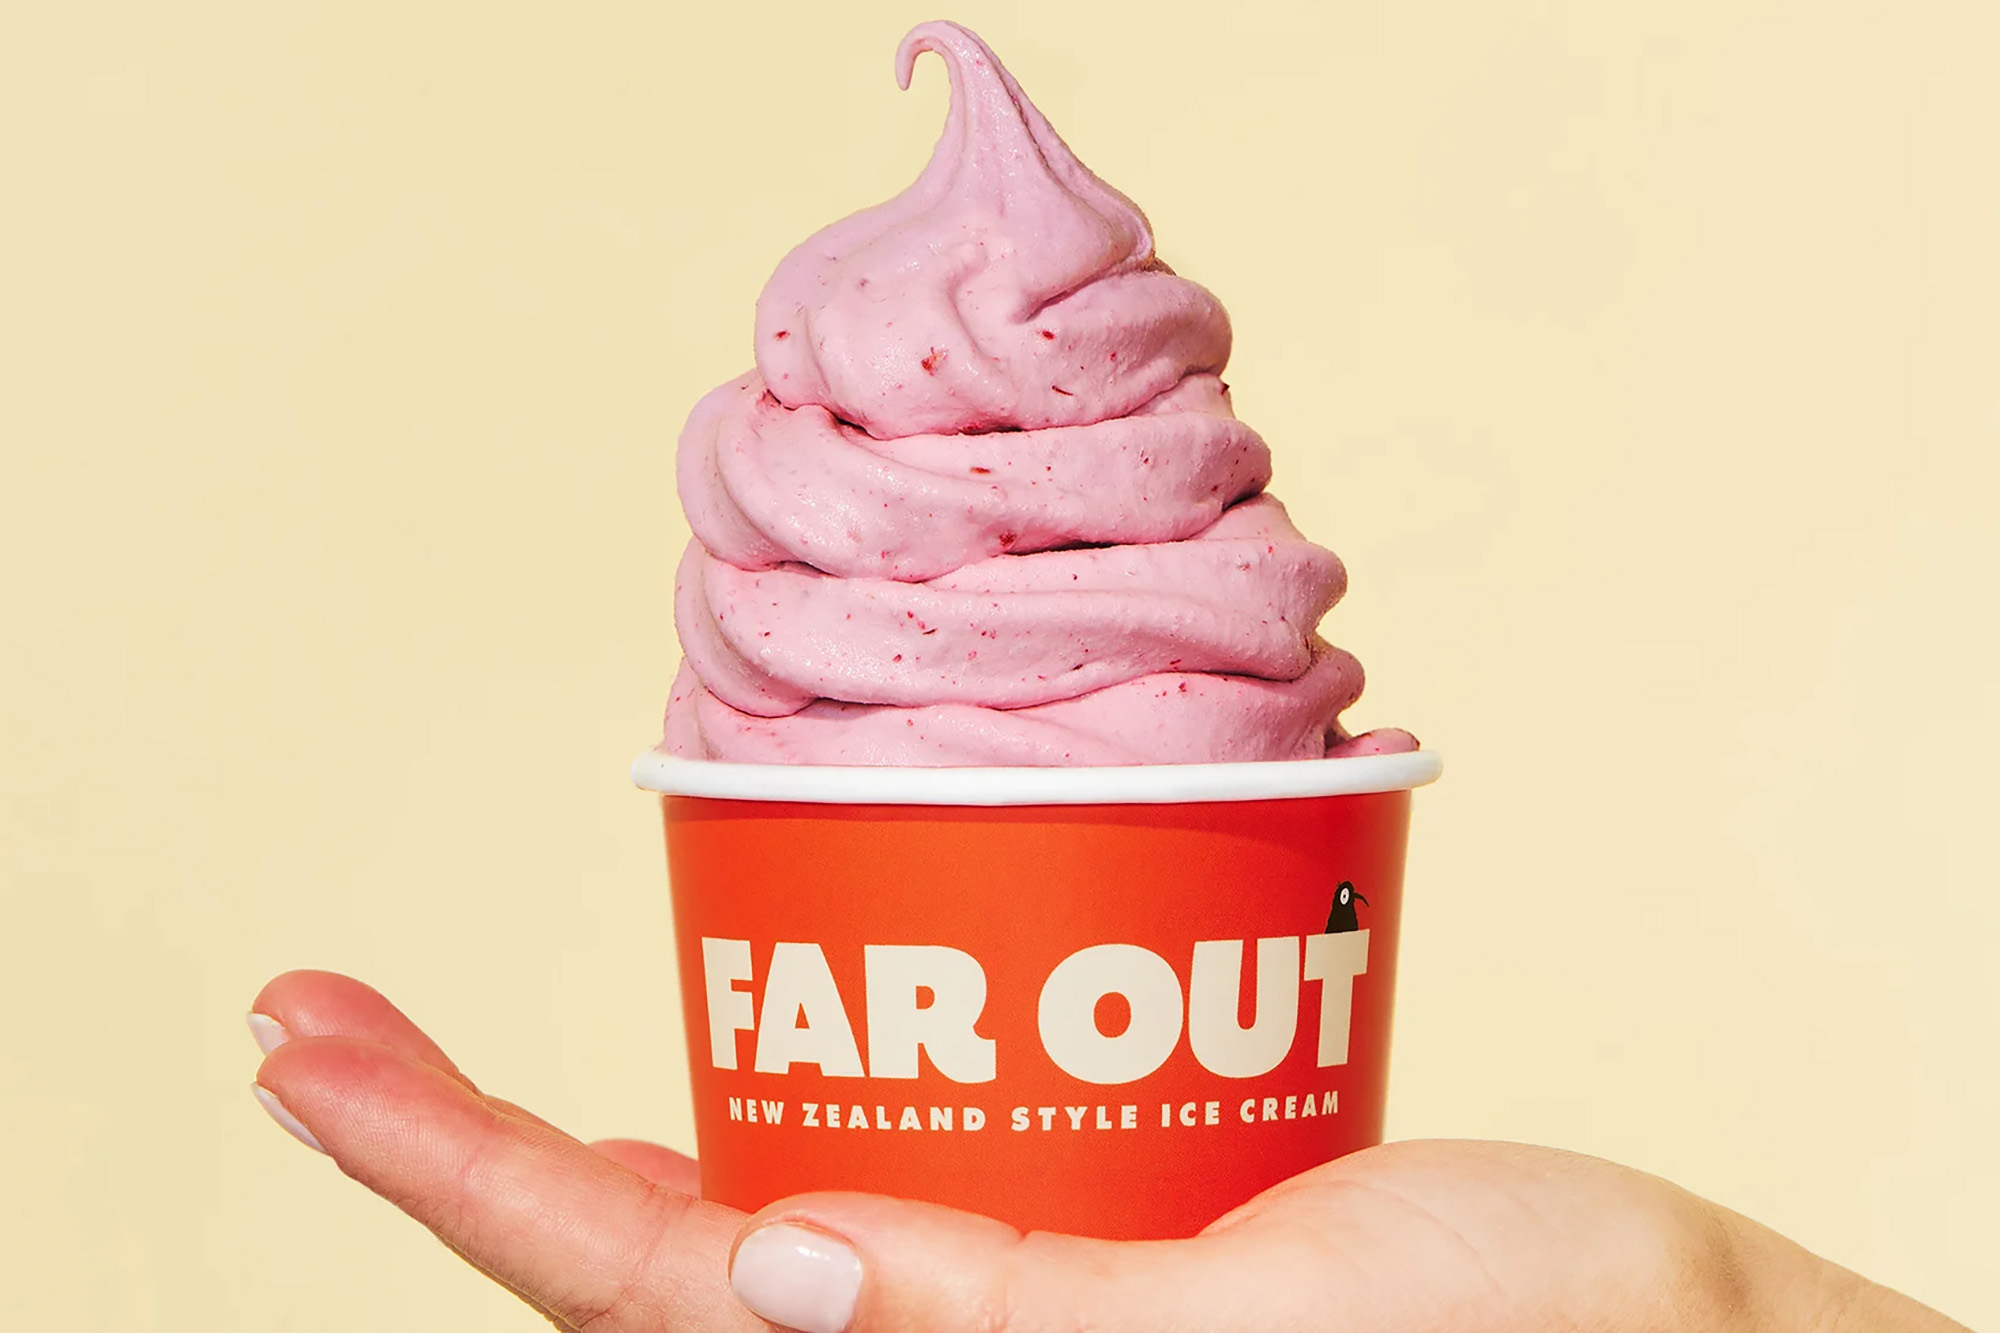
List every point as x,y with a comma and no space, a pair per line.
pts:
348,1072
797,1277
310,1003
286,1121
266,1031
300,987
843,1262
373,1109
922,1265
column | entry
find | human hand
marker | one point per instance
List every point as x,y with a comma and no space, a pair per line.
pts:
610,1238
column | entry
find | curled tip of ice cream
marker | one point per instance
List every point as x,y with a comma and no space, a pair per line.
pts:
997,144
1008,287
956,44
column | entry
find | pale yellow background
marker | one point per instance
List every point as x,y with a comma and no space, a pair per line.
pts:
1640,360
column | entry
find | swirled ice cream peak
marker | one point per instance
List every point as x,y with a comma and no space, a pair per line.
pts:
985,499
1008,287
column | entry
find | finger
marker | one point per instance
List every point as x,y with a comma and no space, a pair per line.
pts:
662,1166
582,1238
832,1262
326,1004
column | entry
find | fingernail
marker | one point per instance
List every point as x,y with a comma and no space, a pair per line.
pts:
267,1032
796,1278
286,1120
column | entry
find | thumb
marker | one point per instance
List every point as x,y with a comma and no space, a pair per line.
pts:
859,1263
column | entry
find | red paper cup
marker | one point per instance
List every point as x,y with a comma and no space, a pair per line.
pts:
1111,1002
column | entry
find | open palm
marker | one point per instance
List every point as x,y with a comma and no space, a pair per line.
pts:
610,1237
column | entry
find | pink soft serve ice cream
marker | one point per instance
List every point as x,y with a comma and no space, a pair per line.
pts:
984,500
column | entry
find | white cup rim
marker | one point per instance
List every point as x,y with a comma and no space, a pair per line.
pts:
1138,784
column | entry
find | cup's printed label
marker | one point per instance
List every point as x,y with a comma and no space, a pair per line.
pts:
1117,1021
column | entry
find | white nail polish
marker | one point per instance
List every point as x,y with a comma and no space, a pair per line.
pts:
797,1278
286,1120
267,1032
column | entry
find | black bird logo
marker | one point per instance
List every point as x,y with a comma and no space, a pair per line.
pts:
1342,917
